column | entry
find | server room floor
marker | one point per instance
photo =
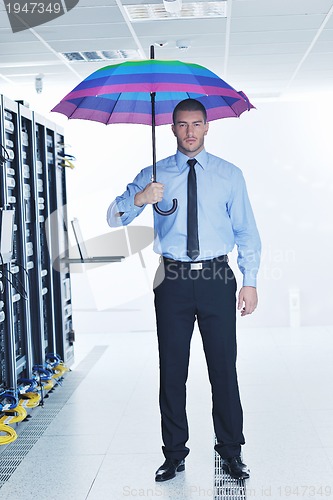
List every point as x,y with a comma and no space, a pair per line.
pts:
103,440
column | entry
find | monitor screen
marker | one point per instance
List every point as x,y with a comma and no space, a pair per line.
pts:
79,239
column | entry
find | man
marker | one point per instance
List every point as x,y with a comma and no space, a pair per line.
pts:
213,215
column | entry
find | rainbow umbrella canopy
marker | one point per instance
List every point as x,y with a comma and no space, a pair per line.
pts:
146,92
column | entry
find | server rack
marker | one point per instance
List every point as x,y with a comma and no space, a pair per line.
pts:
14,276
47,338
61,272
7,357
56,236
35,293
30,167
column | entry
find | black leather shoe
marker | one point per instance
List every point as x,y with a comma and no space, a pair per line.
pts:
235,467
168,469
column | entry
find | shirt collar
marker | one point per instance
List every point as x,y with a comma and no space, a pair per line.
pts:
181,159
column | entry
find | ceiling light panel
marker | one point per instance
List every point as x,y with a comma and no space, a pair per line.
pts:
100,55
149,12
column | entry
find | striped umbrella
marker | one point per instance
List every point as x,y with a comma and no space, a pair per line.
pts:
146,92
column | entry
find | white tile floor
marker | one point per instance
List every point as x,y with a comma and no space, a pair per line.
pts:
105,442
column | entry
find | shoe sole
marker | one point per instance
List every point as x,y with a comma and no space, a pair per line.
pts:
227,469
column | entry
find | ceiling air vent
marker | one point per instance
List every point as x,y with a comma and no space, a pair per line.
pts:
156,11
100,55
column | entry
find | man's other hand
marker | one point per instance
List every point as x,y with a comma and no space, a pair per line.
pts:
247,300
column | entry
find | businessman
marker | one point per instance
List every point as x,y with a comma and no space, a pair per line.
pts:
213,215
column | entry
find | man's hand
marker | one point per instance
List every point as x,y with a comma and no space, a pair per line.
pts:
152,193
247,296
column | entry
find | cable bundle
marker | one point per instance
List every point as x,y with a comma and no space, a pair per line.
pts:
10,434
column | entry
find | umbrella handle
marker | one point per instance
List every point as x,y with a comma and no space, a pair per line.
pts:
166,212
152,96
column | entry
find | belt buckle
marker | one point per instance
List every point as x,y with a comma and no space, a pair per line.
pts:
196,266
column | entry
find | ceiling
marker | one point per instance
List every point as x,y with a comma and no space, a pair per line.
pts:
266,48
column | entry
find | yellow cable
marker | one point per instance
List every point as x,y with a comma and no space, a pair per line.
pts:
49,385
64,367
18,414
59,370
66,163
10,434
30,399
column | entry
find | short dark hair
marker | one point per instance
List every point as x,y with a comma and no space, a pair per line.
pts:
189,105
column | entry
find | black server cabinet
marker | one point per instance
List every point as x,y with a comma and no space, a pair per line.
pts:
41,311
47,337
58,229
14,274
7,354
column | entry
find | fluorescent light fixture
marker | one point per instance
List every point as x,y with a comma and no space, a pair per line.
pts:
173,6
100,55
158,11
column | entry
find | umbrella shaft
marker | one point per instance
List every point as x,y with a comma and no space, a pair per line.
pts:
153,137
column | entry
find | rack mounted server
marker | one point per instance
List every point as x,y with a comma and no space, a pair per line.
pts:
35,291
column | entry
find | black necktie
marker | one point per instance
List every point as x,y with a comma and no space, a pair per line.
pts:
192,212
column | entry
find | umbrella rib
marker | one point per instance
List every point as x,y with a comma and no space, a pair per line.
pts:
115,103
69,117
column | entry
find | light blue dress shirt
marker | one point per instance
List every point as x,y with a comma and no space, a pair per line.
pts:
225,216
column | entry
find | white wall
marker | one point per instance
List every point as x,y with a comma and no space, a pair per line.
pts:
286,154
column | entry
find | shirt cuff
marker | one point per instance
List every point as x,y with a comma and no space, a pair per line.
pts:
249,281
127,206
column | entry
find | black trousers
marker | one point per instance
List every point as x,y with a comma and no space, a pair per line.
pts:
208,295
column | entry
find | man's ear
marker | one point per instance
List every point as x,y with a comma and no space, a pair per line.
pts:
173,129
207,127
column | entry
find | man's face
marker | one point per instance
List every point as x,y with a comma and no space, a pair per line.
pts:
190,130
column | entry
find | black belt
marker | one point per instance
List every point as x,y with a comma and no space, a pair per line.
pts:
195,266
